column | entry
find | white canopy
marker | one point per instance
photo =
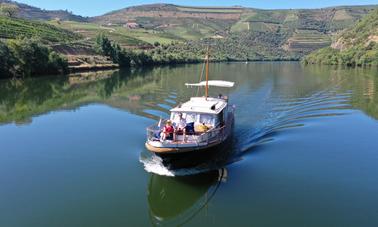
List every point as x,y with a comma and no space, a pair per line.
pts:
216,83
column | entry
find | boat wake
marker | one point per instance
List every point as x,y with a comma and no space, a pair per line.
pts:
282,114
271,115
156,165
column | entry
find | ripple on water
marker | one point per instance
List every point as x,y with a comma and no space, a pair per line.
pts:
170,101
165,106
156,113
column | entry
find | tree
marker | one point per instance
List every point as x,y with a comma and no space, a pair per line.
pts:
33,58
10,10
124,58
103,45
6,61
57,64
114,51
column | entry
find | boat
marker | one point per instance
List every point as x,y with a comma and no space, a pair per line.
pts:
209,123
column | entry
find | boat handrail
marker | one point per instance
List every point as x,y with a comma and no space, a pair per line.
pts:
213,134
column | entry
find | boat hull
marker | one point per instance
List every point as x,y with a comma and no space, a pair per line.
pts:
171,151
186,158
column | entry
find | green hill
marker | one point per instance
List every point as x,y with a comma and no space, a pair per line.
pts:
240,33
355,46
293,32
12,28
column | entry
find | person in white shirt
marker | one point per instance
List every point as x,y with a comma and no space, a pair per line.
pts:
181,125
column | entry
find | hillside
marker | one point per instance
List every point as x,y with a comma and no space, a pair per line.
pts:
237,33
35,13
355,46
297,31
183,23
12,28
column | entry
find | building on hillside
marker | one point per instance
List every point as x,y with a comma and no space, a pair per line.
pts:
217,36
131,25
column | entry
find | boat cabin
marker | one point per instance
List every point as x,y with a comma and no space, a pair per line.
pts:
200,110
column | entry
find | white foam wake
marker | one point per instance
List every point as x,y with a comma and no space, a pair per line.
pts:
154,164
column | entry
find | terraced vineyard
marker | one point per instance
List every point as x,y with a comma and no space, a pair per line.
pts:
236,10
89,31
11,28
306,41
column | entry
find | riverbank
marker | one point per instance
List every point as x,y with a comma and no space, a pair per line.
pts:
84,63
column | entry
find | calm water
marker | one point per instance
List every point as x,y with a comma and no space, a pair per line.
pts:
305,150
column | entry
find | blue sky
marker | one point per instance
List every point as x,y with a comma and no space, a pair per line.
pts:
98,7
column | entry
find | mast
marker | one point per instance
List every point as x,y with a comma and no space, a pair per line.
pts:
207,73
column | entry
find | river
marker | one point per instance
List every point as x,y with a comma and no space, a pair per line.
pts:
304,153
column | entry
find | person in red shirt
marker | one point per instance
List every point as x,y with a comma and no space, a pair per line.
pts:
168,130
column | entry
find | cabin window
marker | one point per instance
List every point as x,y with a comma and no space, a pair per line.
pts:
208,119
189,117
175,116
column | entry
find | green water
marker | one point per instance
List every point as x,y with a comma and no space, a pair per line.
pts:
304,152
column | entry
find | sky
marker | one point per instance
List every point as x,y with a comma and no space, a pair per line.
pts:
99,7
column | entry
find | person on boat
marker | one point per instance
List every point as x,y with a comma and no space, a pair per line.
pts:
220,96
202,128
168,131
181,126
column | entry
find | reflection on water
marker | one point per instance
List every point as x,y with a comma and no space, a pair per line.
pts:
167,204
20,100
153,91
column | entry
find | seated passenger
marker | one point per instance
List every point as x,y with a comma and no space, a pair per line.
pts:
202,128
167,133
189,129
181,126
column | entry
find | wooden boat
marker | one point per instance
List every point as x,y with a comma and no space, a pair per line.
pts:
209,123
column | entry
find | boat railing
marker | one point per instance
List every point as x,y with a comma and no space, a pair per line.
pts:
212,135
153,131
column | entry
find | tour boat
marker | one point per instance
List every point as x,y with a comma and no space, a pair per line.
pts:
209,123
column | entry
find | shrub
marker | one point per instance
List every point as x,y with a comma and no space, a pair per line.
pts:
7,61
27,57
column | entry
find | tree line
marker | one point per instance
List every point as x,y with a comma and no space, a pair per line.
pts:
136,58
356,56
25,57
